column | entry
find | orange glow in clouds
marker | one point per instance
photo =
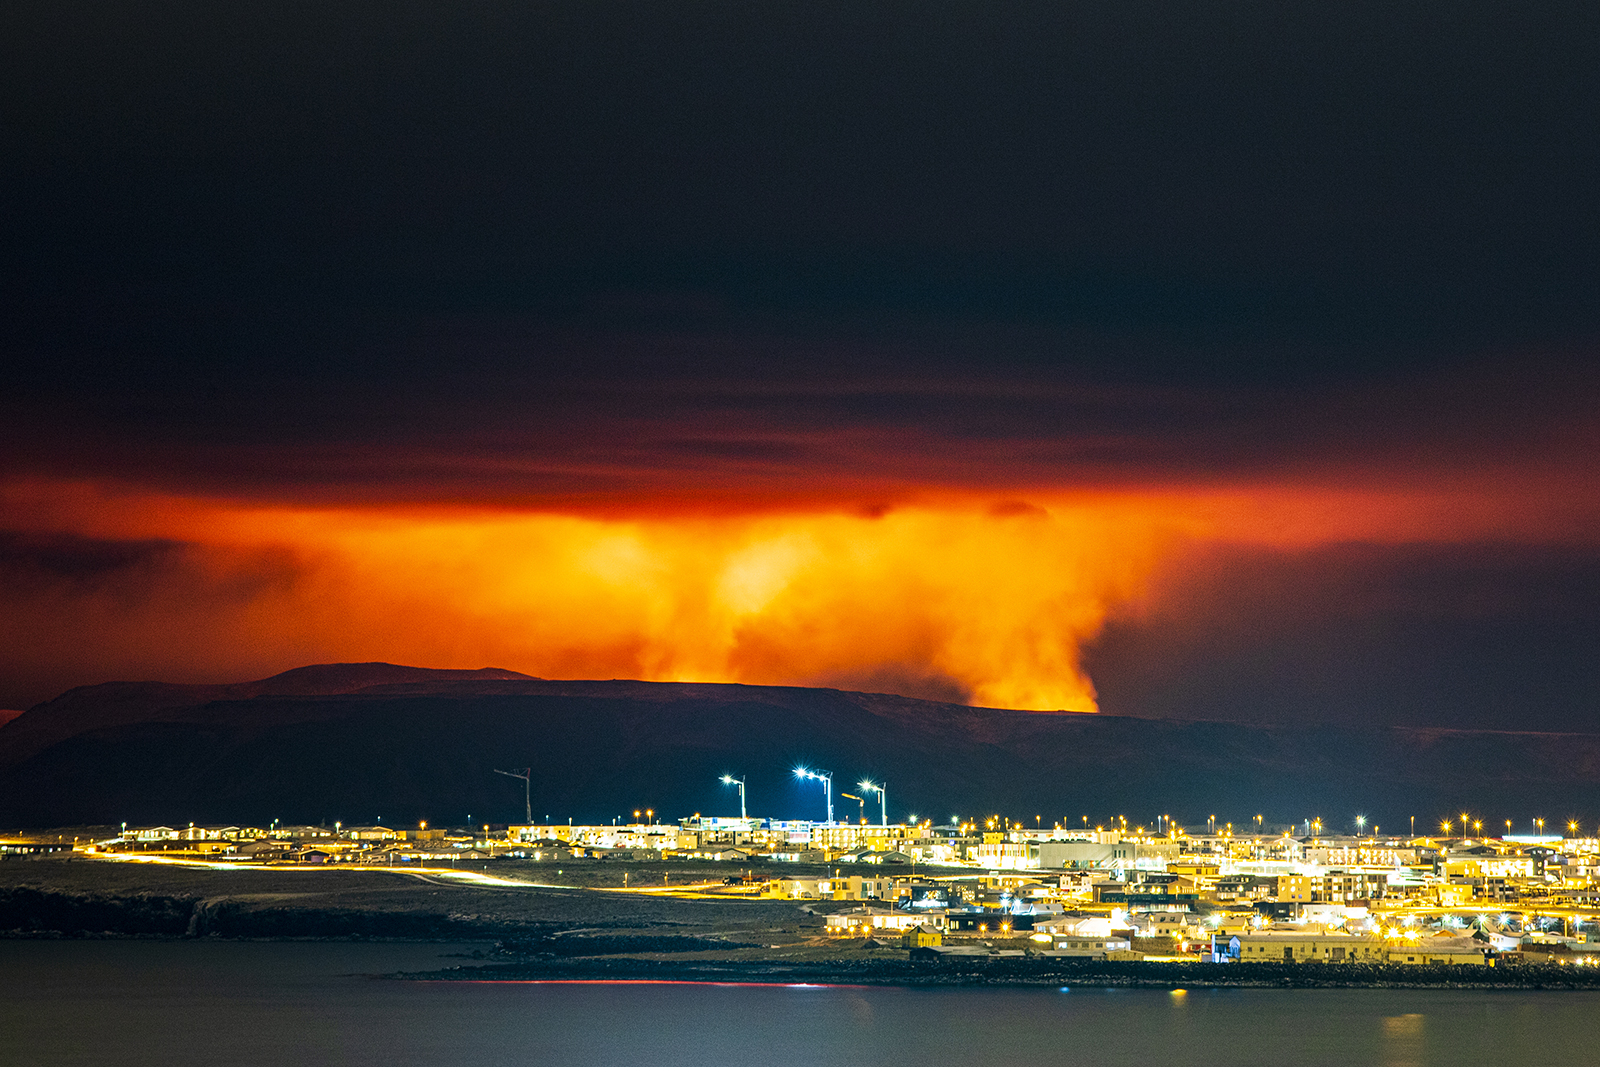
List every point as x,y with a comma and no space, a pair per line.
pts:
961,599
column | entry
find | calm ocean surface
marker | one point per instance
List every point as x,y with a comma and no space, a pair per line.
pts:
133,1004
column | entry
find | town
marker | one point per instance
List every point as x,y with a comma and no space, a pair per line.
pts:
992,885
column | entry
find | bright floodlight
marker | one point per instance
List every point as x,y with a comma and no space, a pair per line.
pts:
801,772
728,779
883,796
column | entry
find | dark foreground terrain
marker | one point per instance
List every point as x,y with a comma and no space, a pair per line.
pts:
575,926
52,895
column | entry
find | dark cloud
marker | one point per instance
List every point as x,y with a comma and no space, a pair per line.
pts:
1481,635
575,241
641,257
1261,169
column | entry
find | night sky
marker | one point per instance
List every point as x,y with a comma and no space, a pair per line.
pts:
1177,359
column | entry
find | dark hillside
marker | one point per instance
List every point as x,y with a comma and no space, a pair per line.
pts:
410,746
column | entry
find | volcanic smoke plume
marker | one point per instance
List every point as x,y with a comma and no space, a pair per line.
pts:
989,603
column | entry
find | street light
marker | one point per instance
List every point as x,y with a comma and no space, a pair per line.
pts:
826,778
728,779
883,797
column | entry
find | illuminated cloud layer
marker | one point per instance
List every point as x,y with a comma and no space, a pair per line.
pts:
831,345
955,597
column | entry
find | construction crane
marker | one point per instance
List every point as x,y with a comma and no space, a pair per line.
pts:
861,801
526,774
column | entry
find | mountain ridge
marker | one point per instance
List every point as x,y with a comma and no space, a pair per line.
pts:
356,742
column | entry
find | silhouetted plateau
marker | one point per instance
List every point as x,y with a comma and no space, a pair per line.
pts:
364,742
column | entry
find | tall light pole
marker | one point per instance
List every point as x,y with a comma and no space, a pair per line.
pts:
526,774
883,797
728,779
826,778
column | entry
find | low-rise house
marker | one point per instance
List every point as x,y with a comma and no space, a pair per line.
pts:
1091,947
876,856
925,893
717,855
1280,946
851,887
863,922
265,850
374,833
154,833
208,833
1074,926
1434,951
1160,924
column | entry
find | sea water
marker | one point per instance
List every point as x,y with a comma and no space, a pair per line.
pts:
175,1004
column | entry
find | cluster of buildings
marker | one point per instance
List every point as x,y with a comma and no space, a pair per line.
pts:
1003,887
280,844
1248,898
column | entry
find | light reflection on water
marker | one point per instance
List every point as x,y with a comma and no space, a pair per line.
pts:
1402,1041
134,1004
